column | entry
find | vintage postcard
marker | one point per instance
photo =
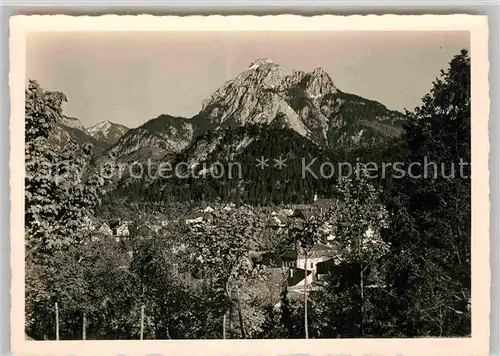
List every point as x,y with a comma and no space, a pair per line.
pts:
243,185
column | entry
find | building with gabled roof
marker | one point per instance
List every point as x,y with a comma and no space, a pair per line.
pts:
296,261
199,217
105,229
122,230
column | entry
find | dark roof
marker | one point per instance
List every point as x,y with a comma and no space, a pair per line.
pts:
325,266
289,254
303,214
306,215
323,250
298,275
114,223
144,230
316,250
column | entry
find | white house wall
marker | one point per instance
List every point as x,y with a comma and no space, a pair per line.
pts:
313,260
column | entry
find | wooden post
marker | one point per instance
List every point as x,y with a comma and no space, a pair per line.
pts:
57,322
362,287
230,315
305,296
84,327
240,316
142,322
224,327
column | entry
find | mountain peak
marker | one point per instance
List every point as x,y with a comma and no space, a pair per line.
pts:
319,71
107,131
73,122
258,62
319,83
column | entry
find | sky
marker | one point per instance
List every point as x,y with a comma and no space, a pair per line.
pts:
132,77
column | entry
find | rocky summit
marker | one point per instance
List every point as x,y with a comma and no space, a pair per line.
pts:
107,131
263,91
309,103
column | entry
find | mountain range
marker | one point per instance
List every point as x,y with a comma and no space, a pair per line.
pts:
263,101
102,136
308,103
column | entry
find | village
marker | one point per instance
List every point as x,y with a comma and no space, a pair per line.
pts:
301,272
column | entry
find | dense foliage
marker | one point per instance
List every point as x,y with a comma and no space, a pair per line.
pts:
57,200
431,227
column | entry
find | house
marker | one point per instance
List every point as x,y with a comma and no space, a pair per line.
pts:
296,207
296,263
122,230
317,208
208,210
143,231
154,227
229,207
277,221
321,205
267,209
105,229
198,217
285,212
317,253
304,214
113,225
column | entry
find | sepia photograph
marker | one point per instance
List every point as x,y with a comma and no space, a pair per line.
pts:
250,184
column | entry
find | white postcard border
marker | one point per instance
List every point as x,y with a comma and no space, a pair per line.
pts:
477,344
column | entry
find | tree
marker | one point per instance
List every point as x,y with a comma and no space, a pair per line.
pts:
58,198
356,221
161,277
430,231
303,233
221,250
